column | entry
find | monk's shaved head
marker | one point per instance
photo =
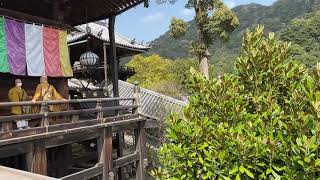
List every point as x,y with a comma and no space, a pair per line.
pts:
43,79
17,81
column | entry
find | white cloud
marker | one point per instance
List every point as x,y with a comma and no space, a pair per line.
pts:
153,17
187,12
231,3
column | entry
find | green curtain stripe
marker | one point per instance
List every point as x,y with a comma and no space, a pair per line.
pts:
4,65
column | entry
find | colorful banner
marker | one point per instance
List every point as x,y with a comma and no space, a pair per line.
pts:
16,47
4,65
34,50
64,55
28,49
51,52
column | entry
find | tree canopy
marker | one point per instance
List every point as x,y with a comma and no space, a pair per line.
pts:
260,123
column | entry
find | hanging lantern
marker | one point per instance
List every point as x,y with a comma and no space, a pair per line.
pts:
88,59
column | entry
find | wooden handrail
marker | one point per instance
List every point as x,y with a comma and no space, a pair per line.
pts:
55,102
62,132
63,113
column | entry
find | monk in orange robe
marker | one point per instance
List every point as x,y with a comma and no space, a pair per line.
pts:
46,92
18,94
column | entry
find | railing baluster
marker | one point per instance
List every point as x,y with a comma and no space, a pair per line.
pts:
136,101
7,126
99,107
45,119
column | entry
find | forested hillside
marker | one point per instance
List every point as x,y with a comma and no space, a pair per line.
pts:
279,17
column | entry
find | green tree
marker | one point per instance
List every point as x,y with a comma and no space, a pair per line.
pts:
161,75
150,70
214,20
304,33
261,123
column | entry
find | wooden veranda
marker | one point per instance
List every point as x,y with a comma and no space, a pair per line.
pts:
46,149
34,142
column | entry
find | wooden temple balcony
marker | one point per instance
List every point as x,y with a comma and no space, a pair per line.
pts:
33,143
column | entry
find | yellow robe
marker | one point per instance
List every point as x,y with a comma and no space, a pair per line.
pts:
46,93
17,94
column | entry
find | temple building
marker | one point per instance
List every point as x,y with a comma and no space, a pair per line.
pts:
34,43
94,37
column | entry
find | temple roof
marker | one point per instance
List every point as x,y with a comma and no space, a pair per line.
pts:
101,31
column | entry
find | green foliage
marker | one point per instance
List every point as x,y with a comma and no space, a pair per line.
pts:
222,23
261,123
214,21
275,18
150,70
163,75
178,27
304,33
197,48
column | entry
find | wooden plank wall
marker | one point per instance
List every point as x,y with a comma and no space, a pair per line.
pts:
29,84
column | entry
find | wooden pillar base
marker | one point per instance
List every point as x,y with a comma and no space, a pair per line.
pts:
39,161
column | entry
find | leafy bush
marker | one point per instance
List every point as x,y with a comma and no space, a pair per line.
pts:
261,123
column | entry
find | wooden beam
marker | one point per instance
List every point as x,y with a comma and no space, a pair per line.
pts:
15,149
85,174
129,7
64,113
71,138
59,127
113,56
33,19
67,131
54,102
120,162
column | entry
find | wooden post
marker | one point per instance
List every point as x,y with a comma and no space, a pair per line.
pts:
141,150
120,139
44,110
108,173
140,136
100,113
39,160
39,163
29,159
105,64
113,57
137,98
136,101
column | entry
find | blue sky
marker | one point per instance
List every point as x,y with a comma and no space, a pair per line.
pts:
149,23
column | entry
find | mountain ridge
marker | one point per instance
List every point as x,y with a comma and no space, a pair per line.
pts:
275,17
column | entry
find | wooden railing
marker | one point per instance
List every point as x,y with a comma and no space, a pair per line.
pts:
35,140
153,104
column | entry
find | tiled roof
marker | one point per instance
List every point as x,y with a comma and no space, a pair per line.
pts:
76,84
102,32
153,104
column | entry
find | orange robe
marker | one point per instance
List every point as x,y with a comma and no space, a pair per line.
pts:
17,94
46,92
